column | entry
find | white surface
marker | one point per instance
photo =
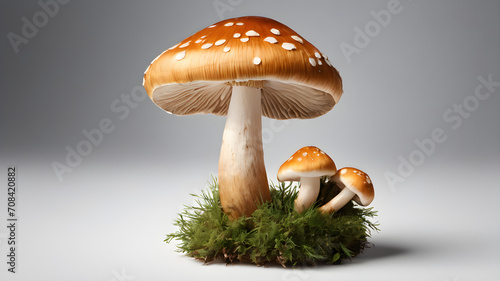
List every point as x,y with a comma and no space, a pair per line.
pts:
103,222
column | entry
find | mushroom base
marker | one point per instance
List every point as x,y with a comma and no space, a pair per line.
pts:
275,232
242,173
308,193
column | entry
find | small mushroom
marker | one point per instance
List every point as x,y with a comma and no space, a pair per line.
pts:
307,165
355,185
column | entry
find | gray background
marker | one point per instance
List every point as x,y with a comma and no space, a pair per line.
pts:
106,219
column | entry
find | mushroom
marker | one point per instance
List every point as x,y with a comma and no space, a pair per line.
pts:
244,68
307,165
354,184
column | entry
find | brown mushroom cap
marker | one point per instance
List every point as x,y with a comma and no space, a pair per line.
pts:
358,182
308,161
196,75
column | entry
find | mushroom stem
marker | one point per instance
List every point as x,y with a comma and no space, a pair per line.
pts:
308,193
338,201
242,175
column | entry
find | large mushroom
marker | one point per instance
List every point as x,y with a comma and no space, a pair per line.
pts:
355,185
244,68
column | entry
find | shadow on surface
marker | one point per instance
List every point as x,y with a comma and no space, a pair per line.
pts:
381,251
375,252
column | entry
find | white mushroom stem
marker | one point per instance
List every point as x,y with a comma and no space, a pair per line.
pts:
338,201
308,193
242,175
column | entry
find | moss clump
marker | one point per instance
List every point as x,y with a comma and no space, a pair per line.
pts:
275,232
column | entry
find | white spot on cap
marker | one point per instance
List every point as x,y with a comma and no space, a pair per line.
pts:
343,171
229,24
312,61
212,26
257,60
239,23
180,55
203,36
299,159
197,41
226,49
290,159
319,62
206,46
275,31
220,42
288,46
304,154
326,60
252,33
174,46
298,39
245,39
185,44
318,55
368,180
236,35
271,40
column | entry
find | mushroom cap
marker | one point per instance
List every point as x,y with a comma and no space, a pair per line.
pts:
358,182
197,75
308,161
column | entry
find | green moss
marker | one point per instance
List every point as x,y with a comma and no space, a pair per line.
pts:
275,232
